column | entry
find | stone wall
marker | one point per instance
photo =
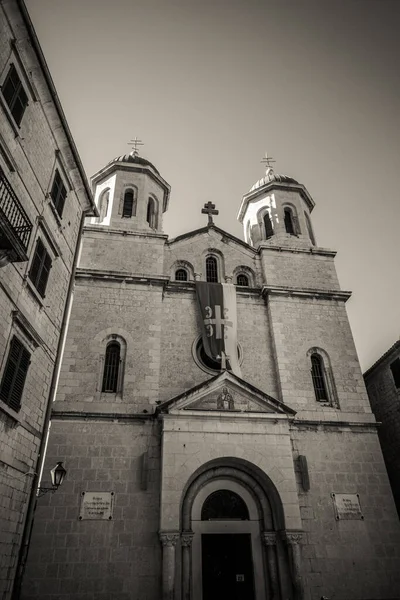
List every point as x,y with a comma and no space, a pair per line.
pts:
385,399
116,559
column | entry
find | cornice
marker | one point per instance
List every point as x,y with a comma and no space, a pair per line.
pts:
67,415
388,354
121,277
318,294
123,232
293,250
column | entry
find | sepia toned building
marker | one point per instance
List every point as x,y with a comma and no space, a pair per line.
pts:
383,386
253,473
44,197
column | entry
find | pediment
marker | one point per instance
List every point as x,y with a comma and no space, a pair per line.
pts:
225,393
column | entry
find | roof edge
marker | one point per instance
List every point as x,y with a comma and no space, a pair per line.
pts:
380,360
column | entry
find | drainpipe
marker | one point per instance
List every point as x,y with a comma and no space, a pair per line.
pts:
30,514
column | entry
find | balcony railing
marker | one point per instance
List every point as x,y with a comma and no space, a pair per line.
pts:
15,226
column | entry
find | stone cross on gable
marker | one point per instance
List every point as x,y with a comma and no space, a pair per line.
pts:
209,209
135,143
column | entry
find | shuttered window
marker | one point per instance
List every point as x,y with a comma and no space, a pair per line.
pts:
58,193
12,384
111,367
14,94
40,268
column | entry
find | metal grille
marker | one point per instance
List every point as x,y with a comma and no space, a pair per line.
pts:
224,504
181,275
317,373
289,221
268,226
111,367
12,385
127,210
13,218
242,279
211,269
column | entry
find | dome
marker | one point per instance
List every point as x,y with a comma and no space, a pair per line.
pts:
135,159
271,176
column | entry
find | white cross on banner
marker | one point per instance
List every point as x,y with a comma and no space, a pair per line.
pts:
217,304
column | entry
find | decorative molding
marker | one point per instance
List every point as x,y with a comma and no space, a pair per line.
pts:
293,537
121,277
306,293
168,538
186,538
55,248
269,538
20,321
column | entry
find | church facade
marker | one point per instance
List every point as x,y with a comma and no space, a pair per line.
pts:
250,475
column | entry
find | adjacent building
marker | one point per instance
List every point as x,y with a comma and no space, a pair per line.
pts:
211,413
383,387
44,196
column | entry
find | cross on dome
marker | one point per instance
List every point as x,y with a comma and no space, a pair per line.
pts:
135,143
209,209
267,160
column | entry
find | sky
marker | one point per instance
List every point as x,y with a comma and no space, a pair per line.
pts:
211,86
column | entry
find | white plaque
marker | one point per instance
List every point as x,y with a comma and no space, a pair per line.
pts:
347,506
97,505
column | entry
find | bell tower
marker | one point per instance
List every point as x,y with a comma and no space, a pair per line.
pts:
276,212
130,195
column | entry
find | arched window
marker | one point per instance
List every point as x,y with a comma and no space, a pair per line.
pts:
242,279
224,505
211,269
181,275
129,206
103,205
309,229
152,213
268,225
111,368
289,225
318,378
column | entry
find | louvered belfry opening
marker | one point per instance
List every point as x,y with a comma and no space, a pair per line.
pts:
181,275
111,367
12,384
211,269
289,226
127,209
224,505
269,231
317,373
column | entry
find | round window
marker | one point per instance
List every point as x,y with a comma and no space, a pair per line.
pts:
206,363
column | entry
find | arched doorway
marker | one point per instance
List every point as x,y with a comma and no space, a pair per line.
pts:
232,547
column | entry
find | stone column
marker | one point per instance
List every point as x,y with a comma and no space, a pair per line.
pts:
168,540
293,540
269,539
186,544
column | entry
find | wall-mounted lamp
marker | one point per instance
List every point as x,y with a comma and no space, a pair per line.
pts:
57,474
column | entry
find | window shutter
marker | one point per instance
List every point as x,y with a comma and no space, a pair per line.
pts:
36,262
44,275
14,376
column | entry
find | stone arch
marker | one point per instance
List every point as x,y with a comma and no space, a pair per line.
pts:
288,207
217,254
249,475
245,270
128,187
274,573
265,223
182,264
152,212
103,204
100,342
